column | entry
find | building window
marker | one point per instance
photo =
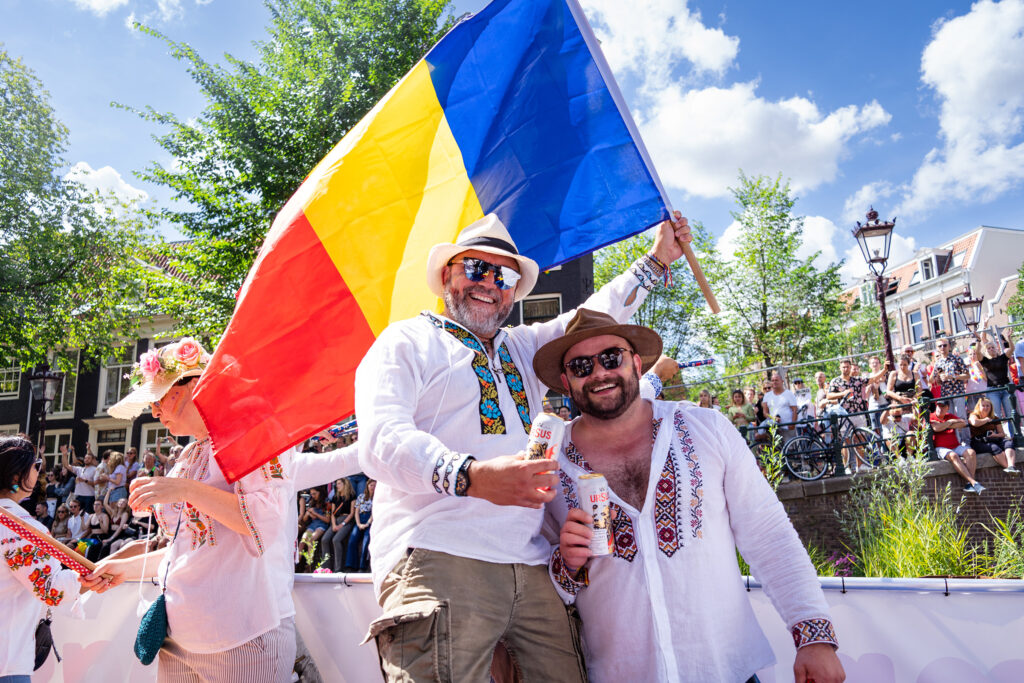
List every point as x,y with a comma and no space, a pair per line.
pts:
10,382
867,295
915,278
9,430
927,269
152,434
936,321
958,321
914,323
52,441
114,380
64,401
111,439
958,259
541,308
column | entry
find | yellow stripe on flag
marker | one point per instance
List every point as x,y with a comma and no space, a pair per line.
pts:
392,188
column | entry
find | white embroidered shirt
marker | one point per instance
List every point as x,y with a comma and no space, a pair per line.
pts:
669,604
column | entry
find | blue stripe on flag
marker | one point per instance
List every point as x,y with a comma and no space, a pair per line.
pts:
543,141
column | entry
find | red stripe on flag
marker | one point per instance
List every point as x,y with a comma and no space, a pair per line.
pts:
285,367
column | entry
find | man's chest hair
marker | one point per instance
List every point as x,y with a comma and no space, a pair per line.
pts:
627,475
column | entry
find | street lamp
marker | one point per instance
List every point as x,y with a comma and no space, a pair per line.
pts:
874,238
44,383
969,309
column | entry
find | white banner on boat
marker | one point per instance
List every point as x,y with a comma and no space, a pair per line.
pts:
890,631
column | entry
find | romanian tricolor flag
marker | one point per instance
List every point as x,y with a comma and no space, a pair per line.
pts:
513,112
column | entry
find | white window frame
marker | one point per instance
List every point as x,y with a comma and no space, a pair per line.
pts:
916,329
10,430
928,269
536,297
145,431
958,323
10,374
64,385
915,278
123,368
53,457
935,330
958,259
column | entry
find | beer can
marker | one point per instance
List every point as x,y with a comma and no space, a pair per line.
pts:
546,436
594,499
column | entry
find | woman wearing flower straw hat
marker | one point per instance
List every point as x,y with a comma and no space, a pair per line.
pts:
221,625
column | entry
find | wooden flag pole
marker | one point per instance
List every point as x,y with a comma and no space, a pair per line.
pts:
698,274
68,557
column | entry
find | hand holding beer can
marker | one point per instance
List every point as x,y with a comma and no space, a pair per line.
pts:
594,499
546,436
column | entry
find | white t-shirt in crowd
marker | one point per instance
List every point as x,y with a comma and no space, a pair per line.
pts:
893,428
81,487
804,398
1018,350
779,404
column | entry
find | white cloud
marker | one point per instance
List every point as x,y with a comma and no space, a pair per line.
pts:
975,65
169,9
99,7
129,21
106,181
648,36
699,139
857,204
701,131
818,236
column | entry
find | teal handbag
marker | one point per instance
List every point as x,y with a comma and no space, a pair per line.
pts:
152,631
153,627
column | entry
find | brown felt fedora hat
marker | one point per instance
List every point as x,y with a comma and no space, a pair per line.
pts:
547,362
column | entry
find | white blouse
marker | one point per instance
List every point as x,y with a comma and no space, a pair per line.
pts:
226,588
426,399
32,582
669,603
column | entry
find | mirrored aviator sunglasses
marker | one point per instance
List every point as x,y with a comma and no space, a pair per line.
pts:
477,269
582,366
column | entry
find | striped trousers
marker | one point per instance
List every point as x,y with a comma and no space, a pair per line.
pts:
267,658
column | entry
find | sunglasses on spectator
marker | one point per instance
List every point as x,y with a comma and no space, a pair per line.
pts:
477,269
610,358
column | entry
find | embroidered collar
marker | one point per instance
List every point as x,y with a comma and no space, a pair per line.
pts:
491,419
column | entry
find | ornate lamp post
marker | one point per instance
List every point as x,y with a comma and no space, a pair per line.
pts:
969,309
874,238
44,383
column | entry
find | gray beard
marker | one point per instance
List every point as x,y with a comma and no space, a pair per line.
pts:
630,392
480,324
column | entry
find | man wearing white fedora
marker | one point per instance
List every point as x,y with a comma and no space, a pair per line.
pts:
444,404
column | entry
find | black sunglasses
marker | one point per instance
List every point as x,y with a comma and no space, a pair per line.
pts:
611,358
477,269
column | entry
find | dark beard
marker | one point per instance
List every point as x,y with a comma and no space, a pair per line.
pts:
482,325
630,392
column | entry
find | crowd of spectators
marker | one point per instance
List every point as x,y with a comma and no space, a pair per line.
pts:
961,426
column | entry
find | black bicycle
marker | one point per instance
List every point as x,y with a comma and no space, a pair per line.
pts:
810,455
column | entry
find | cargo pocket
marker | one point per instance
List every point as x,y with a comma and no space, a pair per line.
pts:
576,629
414,642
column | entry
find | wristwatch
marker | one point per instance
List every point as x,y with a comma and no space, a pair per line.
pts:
462,477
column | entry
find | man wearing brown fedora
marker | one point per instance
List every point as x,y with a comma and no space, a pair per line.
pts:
668,604
444,404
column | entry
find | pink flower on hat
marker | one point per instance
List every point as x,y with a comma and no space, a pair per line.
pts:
149,365
188,352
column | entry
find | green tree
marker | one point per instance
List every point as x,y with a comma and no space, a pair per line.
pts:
668,311
70,270
777,308
1015,306
266,124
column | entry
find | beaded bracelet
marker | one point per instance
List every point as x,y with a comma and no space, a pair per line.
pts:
659,268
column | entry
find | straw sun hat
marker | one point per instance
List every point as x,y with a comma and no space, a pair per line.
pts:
156,372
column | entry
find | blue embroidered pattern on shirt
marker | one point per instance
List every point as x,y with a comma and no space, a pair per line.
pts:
515,386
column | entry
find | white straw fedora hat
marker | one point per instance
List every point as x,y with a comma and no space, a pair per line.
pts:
488,235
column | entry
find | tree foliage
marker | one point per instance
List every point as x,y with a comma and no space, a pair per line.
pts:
668,311
70,270
1015,306
777,308
266,124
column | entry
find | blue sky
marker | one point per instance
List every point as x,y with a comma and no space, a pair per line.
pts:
916,107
